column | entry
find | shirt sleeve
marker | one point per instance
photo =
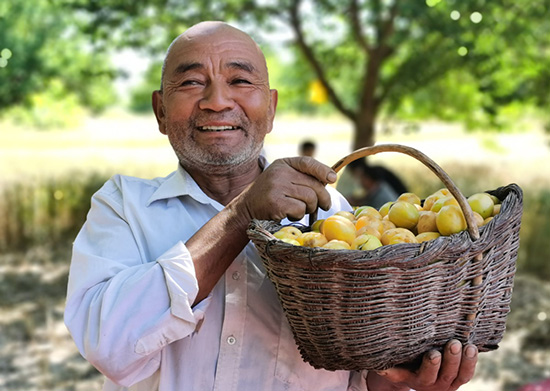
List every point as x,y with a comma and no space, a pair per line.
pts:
121,310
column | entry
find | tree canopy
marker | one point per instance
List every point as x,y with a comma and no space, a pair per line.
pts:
47,65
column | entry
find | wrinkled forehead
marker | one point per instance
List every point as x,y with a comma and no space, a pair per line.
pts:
216,47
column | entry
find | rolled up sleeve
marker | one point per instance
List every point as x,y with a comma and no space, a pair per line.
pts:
121,309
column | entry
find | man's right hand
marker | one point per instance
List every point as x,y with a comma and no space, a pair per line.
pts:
288,188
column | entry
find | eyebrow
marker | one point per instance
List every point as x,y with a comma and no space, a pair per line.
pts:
189,66
243,65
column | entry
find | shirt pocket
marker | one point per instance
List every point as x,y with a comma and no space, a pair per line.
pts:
299,375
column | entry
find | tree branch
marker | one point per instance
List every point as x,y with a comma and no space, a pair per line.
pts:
296,24
356,26
387,28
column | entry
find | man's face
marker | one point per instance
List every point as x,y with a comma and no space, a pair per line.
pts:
216,106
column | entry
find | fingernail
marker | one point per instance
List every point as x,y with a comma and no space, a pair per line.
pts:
470,351
455,347
381,373
332,177
434,356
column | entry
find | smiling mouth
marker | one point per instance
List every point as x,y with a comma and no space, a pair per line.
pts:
217,128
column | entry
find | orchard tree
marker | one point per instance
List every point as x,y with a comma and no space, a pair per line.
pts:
45,59
461,58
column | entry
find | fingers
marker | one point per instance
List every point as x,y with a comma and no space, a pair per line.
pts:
429,369
301,183
467,367
289,188
441,372
310,166
451,361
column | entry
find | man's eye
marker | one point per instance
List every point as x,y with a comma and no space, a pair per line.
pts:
240,81
190,83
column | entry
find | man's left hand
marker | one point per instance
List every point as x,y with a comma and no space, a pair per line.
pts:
437,372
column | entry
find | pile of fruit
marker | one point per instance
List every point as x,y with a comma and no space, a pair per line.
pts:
405,220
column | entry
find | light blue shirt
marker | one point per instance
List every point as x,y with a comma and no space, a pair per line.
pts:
132,284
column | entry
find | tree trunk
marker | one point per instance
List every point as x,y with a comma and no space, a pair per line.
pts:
364,129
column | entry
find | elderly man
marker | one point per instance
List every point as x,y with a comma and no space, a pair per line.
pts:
165,290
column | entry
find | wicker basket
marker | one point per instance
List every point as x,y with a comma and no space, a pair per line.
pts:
354,310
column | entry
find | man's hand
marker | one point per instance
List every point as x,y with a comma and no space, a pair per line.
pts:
289,188
436,373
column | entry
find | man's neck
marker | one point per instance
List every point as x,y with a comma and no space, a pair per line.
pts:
225,184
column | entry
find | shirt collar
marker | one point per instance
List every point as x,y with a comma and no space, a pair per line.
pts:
180,183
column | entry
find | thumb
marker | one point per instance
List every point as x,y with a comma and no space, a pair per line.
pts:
312,167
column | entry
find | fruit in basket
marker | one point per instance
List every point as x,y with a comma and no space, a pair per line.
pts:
338,227
348,215
425,236
444,201
384,209
289,232
370,230
405,220
313,239
404,214
450,220
366,242
478,219
337,245
426,222
316,226
410,198
367,221
385,225
368,211
291,241
397,235
482,203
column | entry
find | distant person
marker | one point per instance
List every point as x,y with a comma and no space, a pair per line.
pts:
376,190
380,181
307,148
392,179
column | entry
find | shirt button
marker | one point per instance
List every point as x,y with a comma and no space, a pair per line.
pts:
236,276
231,340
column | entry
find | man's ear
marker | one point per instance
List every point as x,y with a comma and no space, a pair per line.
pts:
272,107
158,109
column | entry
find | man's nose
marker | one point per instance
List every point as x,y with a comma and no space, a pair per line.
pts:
217,97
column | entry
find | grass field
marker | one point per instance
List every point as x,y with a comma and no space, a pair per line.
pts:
36,352
119,143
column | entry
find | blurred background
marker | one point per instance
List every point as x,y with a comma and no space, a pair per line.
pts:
467,82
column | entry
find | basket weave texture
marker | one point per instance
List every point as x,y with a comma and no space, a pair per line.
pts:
355,310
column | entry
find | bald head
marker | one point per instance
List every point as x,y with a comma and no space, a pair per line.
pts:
208,33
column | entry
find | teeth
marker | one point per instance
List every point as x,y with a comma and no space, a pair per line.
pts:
217,128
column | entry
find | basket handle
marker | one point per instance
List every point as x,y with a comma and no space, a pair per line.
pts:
433,166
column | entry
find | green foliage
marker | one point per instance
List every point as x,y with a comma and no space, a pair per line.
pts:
52,69
455,60
140,96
